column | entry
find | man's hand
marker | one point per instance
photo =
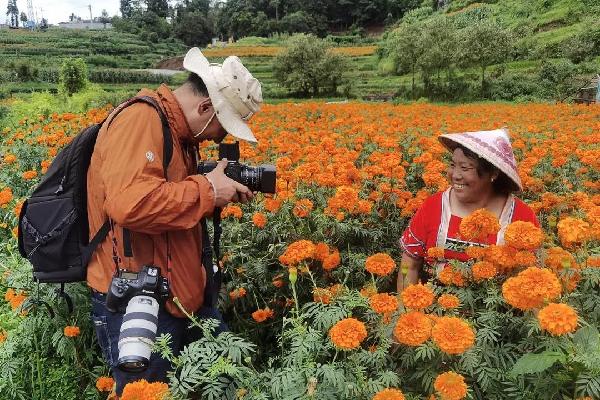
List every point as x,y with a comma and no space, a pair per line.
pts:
227,190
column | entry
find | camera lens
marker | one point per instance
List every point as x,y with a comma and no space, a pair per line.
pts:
138,331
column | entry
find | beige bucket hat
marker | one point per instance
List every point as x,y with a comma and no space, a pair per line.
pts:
235,94
494,146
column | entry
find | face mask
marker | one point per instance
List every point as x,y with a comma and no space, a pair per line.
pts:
205,126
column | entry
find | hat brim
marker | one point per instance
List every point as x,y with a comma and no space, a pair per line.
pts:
451,142
229,118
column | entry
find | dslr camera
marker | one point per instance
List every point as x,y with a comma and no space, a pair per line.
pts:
139,296
257,179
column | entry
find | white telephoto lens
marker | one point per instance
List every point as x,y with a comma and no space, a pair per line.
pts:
138,331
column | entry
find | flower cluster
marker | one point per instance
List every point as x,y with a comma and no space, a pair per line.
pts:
531,288
380,264
479,225
348,333
143,390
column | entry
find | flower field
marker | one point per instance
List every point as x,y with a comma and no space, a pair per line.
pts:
310,274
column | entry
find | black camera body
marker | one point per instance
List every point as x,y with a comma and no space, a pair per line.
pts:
125,285
258,179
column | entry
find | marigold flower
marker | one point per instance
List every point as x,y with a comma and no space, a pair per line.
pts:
27,175
332,260
380,264
436,252
558,319
322,295
413,328
72,331
105,384
572,231
479,225
302,208
502,257
15,299
348,333
417,296
10,158
389,394
448,301
449,276
475,252
483,270
6,196
593,262
525,258
231,211
530,288
2,336
368,290
237,293
297,252
262,314
259,219
562,263
452,335
451,386
143,390
321,251
523,235
272,205
383,303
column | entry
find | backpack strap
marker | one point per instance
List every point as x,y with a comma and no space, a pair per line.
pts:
167,152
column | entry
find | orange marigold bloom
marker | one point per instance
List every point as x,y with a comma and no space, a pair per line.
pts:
261,315
483,270
15,299
296,252
142,390
572,231
436,252
451,386
389,394
479,225
523,235
525,258
348,333
452,335
259,219
417,296
448,301
237,293
302,208
368,291
105,383
558,319
332,260
380,264
530,288
593,262
502,257
27,175
449,276
231,211
6,196
272,205
562,263
2,336
321,251
322,295
475,252
383,303
10,158
413,328
72,331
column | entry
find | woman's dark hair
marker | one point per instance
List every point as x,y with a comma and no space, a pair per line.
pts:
502,184
197,84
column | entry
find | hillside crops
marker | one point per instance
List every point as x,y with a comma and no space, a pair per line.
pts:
310,274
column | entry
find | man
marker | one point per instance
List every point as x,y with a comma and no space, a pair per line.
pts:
126,184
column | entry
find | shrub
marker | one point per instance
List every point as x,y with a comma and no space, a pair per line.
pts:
307,66
73,75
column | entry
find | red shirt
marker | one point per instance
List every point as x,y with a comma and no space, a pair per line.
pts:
434,225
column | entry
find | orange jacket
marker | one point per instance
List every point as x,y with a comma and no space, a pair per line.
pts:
126,183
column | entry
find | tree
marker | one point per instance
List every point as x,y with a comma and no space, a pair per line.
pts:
307,65
72,17
13,11
158,7
73,76
405,47
126,9
484,43
104,18
23,18
194,29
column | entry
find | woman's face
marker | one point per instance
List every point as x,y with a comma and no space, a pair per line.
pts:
466,182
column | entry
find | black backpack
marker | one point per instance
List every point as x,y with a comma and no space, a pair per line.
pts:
53,223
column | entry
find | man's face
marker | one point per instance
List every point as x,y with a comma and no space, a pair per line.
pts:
205,123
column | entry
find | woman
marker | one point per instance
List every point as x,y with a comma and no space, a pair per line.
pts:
482,174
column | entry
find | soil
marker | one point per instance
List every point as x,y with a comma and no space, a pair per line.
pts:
175,63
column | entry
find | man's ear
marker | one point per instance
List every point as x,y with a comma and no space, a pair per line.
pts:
204,106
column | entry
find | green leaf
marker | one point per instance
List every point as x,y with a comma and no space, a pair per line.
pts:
531,363
588,338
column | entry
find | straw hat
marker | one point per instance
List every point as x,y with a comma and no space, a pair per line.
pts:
493,146
235,94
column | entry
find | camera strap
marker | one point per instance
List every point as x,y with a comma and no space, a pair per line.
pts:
210,259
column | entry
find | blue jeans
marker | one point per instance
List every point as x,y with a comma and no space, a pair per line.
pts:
108,325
